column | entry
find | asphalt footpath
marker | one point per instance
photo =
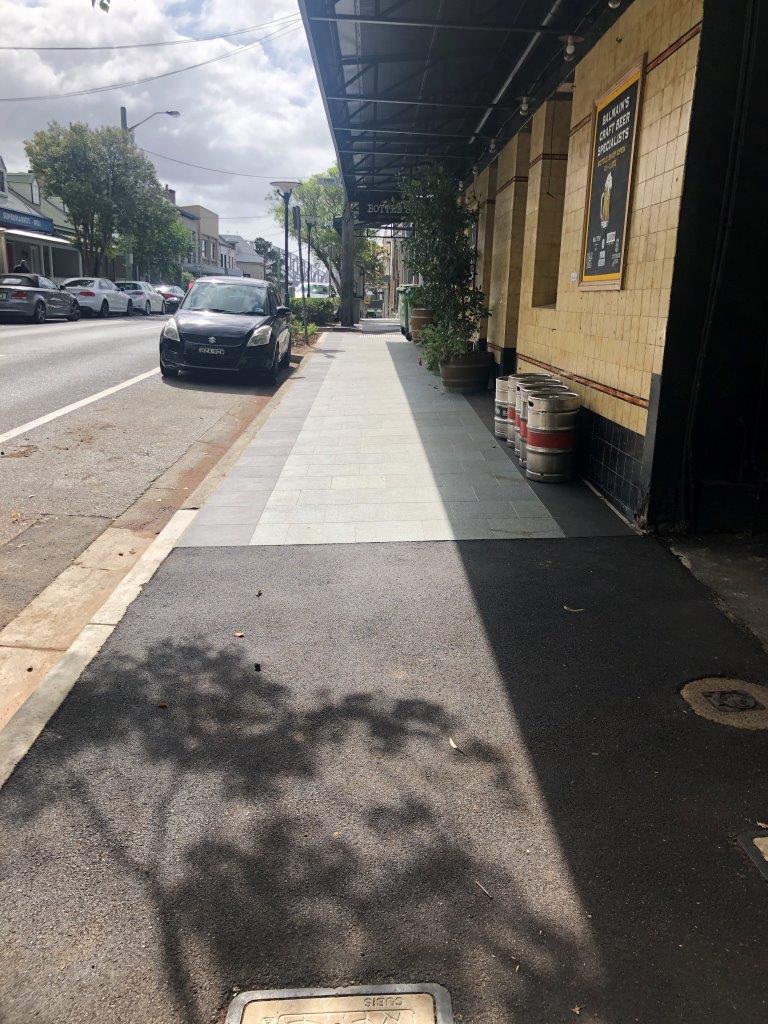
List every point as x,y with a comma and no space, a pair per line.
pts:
464,763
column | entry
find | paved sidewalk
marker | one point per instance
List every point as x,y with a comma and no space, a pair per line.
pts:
368,447
466,762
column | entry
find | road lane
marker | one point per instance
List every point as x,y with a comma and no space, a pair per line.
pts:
45,367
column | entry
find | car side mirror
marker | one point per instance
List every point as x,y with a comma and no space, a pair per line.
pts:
282,311
62,287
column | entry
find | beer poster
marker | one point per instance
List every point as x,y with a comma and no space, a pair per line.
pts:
609,189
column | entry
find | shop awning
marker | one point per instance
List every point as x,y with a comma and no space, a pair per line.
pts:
34,236
416,81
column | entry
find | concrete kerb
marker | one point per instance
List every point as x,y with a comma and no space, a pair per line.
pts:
31,718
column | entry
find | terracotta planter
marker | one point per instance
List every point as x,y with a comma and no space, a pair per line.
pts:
464,374
419,317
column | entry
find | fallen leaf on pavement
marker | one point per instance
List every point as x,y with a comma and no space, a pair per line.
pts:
162,704
454,745
29,669
483,889
572,609
15,517
238,634
258,593
577,1009
257,666
762,824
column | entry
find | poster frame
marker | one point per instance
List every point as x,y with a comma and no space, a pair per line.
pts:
612,281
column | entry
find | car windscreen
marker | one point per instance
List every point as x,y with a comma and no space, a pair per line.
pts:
133,285
80,282
223,297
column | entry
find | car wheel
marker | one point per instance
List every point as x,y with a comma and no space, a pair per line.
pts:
286,360
129,308
168,371
38,317
147,309
75,312
273,373
104,309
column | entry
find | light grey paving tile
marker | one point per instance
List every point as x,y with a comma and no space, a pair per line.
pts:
216,536
531,509
472,529
358,482
297,514
328,497
268,470
422,479
229,515
226,499
366,533
245,486
307,483
391,495
415,511
294,472
269,533
359,513
438,529
283,499
321,533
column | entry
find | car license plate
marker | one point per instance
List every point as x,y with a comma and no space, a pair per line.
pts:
208,351
3,295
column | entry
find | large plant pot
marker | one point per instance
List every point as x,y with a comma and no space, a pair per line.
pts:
465,374
420,317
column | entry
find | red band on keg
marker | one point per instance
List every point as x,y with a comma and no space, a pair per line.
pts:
552,438
512,414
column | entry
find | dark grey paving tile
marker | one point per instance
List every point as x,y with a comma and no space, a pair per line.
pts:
216,536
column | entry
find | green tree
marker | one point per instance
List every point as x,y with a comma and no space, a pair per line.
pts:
272,256
322,196
104,181
158,241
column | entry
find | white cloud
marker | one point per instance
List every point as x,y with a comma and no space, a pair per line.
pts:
258,112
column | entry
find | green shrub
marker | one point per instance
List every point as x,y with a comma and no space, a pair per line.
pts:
439,343
320,311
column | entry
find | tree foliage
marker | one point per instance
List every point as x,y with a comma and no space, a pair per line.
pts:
441,251
104,181
322,196
157,240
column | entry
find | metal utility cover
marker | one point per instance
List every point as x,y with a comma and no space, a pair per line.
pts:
375,1004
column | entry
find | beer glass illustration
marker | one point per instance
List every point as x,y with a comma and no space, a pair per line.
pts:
605,201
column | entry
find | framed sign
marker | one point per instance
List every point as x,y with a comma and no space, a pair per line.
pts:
615,120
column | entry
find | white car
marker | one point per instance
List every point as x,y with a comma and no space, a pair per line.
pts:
318,290
145,298
98,295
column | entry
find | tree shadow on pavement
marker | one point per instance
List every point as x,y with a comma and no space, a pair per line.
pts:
240,831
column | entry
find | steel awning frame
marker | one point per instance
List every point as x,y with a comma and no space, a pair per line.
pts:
374,62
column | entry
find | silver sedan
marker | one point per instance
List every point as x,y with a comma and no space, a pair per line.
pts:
36,298
145,298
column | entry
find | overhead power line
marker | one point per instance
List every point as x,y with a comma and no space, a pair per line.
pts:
214,170
284,30
161,42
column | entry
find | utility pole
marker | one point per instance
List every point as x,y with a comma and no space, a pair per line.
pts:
347,305
310,222
297,229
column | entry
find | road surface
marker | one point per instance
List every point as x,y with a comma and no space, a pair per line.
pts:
67,473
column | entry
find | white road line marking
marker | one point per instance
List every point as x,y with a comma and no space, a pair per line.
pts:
75,405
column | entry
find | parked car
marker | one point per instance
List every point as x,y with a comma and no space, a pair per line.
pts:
35,297
172,295
98,295
233,324
145,297
318,290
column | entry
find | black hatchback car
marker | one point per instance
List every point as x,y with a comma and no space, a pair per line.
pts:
231,324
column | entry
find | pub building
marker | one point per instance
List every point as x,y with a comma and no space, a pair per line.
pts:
614,151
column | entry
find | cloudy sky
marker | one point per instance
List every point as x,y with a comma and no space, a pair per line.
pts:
258,111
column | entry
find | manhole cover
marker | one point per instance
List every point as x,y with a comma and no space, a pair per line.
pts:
729,701
755,845
383,1004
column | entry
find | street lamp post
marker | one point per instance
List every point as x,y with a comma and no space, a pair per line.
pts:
284,190
310,222
124,118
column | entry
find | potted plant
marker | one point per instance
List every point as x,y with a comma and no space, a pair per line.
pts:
419,313
441,252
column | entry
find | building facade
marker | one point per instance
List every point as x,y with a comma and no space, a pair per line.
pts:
35,228
612,154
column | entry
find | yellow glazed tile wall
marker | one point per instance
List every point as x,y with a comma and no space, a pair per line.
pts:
509,226
616,338
482,194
